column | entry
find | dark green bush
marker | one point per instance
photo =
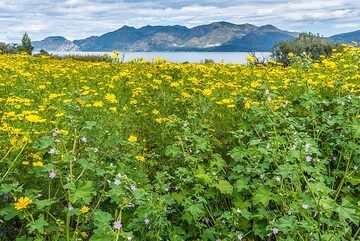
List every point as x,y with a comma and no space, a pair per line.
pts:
312,44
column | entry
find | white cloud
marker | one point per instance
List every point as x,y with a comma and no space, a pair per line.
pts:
76,19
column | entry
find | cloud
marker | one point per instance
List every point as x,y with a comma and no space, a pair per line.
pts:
75,19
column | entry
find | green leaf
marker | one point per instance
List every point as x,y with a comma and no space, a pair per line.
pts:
102,235
225,187
241,184
101,218
8,212
196,210
172,151
44,143
347,211
263,195
39,225
40,204
82,191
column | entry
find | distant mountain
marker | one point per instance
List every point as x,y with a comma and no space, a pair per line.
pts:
55,44
346,37
219,36
261,39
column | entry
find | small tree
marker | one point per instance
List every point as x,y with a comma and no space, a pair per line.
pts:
311,44
26,45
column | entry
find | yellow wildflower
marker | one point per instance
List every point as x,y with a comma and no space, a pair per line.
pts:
84,209
140,158
38,164
132,138
22,203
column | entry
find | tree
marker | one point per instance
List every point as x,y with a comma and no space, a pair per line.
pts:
311,44
26,45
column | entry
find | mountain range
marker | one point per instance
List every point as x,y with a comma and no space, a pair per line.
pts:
218,36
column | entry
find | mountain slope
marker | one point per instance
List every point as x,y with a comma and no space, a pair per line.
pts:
218,36
262,39
346,37
55,44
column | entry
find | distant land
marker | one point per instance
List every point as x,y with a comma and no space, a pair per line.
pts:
214,37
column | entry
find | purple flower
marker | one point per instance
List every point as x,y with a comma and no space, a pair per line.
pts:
84,139
133,187
239,237
131,205
52,174
6,196
308,158
275,231
129,238
117,225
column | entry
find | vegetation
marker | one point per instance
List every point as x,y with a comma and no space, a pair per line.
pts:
307,43
87,58
160,151
24,47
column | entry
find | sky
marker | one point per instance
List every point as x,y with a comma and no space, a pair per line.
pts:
77,19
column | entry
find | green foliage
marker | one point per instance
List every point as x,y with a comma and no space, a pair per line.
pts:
307,43
26,45
269,153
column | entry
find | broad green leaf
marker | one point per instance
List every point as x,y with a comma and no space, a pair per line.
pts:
347,211
102,235
101,218
241,184
39,225
263,195
224,187
196,210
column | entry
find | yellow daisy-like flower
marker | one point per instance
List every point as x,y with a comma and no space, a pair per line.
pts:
207,92
111,98
84,209
98,104
22,203
38,164
132,138
140,158
34,119
25,163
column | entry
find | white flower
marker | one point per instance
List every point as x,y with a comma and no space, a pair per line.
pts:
84,139
305,206
117,182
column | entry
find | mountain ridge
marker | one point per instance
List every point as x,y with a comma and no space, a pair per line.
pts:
217,36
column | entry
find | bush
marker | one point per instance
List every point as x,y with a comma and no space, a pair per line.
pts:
86,58
312,44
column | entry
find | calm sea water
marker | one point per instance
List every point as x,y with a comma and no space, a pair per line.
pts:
180,57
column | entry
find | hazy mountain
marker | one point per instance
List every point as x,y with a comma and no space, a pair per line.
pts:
219,36
346,37
55,44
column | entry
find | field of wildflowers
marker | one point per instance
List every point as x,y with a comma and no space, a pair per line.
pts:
163,151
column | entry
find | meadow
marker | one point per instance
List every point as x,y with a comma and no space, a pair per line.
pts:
161,151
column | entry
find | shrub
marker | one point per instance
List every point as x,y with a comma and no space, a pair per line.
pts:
311,44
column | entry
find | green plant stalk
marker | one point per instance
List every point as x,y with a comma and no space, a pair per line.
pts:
12,163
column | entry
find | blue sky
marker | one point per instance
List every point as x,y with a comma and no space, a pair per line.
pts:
76,19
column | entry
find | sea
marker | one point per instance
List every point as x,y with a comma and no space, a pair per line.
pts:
181,57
